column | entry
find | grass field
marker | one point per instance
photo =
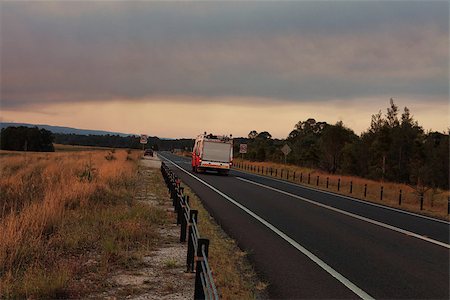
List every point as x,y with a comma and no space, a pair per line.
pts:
67,219
435,201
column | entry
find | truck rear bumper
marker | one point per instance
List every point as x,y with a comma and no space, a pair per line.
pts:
215,165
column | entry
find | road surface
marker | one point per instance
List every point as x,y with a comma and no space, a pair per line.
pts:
312,244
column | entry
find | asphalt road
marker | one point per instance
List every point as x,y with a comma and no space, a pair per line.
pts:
312,244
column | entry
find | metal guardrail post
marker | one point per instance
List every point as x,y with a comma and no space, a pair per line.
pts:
173,194
448,206
180,216
179,205
365,190
339,184
400,198
193,216
172,189
351,187
421,201
199,293
183,220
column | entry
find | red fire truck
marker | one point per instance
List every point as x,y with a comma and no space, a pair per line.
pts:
212,152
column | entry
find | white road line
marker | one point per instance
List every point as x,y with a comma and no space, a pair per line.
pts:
346,197
359,292
409,233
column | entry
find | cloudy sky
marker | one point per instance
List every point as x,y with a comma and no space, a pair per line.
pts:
176,69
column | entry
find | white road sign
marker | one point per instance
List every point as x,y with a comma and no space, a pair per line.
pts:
286,149
144,139
243,148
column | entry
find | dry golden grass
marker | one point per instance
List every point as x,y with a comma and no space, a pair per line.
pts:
234,276
58,211
66,148
435,201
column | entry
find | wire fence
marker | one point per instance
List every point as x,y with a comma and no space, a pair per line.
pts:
197,252
362,190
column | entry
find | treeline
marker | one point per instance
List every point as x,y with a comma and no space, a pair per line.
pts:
116,141
394,148
26,139
34,139
111,141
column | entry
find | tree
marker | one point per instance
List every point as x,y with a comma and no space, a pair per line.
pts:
252,134
26,139
261,154
258,143
305,142
264,135
391,116
332,142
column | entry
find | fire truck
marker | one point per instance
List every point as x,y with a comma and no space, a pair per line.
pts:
212,152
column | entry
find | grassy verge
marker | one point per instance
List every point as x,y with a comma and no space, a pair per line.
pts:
68,219
435,200
234,276
66,148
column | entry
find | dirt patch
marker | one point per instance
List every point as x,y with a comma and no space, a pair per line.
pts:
151,161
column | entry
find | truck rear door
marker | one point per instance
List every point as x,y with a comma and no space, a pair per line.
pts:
216,151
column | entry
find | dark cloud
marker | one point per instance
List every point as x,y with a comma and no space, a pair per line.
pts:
293,51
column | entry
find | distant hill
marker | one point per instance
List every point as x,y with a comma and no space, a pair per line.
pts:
65,130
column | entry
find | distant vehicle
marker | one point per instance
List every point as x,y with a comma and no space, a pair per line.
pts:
212,152
148,152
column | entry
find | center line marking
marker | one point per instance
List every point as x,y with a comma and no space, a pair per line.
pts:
355,289
409,233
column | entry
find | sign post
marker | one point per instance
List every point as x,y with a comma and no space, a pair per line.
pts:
286,150
144,138
242,150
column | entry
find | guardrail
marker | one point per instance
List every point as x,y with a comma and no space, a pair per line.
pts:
197,252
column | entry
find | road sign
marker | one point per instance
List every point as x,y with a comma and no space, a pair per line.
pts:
243,148
144,139
286,149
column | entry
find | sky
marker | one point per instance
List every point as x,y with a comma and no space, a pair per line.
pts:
177,69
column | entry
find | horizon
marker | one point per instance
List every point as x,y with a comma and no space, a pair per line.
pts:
445,131
178,69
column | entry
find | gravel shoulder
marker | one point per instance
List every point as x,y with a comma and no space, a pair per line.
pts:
162,272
